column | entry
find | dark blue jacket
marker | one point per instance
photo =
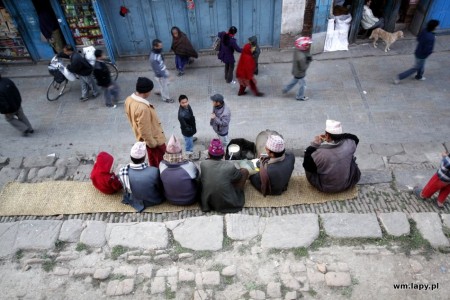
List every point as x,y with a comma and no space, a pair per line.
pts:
426,44
226,52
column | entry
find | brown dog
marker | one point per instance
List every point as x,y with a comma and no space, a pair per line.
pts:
387,37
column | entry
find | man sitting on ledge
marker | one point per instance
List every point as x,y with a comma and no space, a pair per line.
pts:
275,169
329,162
141,183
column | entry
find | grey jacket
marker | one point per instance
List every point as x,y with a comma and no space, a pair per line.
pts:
279,171
158,65
332,167
220,123
300,63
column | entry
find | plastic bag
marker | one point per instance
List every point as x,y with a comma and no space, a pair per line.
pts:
89,54
69,75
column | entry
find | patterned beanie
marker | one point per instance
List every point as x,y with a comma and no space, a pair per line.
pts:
173,146
138,150
275,143
215,148
333,127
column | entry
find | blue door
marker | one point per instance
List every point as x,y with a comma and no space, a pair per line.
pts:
321,14
24,14
440,10
201,20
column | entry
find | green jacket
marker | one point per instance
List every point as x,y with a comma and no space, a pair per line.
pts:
300,63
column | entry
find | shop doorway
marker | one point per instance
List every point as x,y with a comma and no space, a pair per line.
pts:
48,24
396,14
12,45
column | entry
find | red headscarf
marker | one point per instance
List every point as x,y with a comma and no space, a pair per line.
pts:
102,177
246,64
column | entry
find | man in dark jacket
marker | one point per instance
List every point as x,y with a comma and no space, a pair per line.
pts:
187,123
275,168
223,184
424,48
81,67
300,64
329,162
226,53
10,106
103,77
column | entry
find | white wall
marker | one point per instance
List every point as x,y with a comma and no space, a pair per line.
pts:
292,16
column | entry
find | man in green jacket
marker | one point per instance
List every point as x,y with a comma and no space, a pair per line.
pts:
301,62
223,184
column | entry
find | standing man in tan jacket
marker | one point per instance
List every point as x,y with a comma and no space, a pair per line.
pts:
145,121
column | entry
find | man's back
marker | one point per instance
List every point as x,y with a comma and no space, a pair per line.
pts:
145,187
218,192
10,99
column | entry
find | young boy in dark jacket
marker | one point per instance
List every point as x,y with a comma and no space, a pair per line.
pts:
187,123
103,77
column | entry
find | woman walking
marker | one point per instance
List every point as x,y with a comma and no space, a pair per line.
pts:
245,72
182,48
226,53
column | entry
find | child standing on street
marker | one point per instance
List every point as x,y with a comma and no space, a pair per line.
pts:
187,123
160,70
103,77
440,181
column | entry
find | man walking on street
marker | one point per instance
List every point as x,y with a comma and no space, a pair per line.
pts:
300,64
145,121
81,67
220,118
424,48
10,106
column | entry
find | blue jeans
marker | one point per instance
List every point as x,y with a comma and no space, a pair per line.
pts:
419,67
189,143
301,90
111,93
180,62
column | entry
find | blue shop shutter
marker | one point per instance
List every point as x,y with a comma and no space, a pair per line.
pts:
321,15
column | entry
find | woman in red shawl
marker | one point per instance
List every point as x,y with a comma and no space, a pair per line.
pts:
182,48
245,72
102,177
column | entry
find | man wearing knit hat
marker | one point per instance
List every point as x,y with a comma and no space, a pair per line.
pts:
300,64
222,183
275,169
329,162
145,121
141,183
220,118
179,176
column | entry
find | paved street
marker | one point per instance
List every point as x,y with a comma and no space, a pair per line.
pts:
354,249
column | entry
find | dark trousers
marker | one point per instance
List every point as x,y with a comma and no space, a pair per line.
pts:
229,70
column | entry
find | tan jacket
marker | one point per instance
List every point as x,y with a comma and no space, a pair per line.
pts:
144,121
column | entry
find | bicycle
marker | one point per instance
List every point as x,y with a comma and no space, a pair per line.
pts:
59,83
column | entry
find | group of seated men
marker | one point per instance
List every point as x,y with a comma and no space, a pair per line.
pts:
329,164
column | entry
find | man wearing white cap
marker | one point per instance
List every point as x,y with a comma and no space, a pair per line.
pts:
300,63
180,177
141,183
275,169
329,162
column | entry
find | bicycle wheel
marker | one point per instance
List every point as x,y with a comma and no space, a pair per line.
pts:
113,70
55,90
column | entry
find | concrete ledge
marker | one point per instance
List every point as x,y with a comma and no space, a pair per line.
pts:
351,225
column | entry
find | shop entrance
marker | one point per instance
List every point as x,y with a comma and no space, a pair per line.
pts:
12,45
48,24
390,15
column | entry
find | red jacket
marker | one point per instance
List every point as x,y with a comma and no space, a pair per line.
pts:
102,178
